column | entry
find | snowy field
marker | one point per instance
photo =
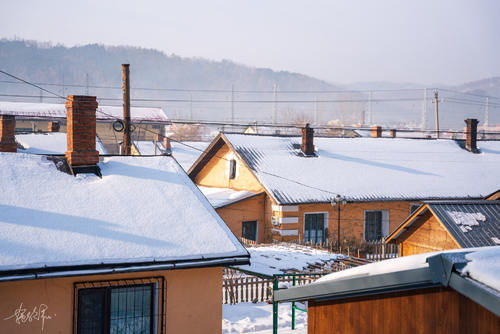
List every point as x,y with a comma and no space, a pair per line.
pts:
283,257
258,318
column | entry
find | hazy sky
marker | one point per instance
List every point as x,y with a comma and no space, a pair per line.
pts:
421,41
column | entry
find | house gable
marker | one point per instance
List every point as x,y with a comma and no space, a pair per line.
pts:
426,234
213,167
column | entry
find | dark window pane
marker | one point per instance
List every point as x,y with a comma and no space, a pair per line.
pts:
314,228
131,312
232,169
373,225
249,230
91,311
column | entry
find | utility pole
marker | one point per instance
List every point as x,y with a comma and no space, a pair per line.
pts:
315,110
424,111
126,109
275,106
436,112
87,84
486,112
41,96
190,107
232,104
370,108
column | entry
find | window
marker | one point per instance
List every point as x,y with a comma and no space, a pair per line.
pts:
249,230
314,228
232,169
125,306
376,225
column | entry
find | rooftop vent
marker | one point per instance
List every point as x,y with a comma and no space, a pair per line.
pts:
471,135
81,134
376,131
7,136
307,145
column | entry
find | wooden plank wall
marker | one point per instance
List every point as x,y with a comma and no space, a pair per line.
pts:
436,310
427,234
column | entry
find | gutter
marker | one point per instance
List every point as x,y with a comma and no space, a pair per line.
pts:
101,269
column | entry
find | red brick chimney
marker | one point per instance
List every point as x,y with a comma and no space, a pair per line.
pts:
376,131
471,135
7,133
307,145
81,130
54,127
165,141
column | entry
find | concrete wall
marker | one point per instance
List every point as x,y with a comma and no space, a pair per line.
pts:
193,302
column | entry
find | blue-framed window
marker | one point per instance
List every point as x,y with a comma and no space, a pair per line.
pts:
314,228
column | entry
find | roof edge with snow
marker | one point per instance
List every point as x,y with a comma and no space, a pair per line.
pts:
119,268
443,270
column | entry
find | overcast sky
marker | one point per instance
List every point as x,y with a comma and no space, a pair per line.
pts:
420,41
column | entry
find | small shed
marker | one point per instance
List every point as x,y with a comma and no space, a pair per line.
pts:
442,225
447,292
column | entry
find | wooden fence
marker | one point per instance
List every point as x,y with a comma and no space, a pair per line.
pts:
238,287
247,242
372,250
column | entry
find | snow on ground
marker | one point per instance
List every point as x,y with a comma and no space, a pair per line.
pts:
258,318
279,258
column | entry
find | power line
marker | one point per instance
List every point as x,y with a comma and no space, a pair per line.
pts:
201,90
32,84
225,101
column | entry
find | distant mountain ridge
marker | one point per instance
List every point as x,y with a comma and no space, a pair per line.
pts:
200,89
42,62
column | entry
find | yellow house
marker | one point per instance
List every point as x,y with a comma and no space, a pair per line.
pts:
107,244
323,189
444,225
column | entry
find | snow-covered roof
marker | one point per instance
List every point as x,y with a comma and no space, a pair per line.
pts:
143,210
185,152
49,143
470,223
483,265
473,272
220,197
285,257
369,168
104,113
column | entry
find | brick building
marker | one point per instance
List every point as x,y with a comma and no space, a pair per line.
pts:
311,186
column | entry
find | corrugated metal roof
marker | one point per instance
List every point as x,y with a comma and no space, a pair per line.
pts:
485,213
369,169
